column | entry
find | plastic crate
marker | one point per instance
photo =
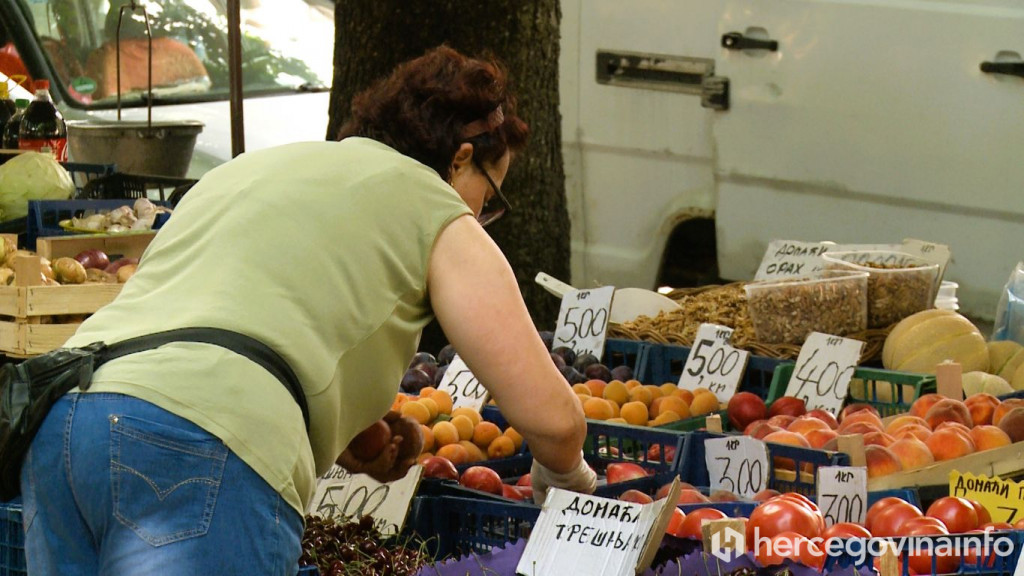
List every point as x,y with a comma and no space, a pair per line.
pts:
888,391
81,174
133,186
986,565
309,571
12,540
665,364
692,466
453,526
632,353
44,216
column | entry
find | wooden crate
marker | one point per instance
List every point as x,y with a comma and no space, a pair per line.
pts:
27,302
1004,462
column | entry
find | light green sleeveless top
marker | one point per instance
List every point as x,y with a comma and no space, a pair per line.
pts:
319,250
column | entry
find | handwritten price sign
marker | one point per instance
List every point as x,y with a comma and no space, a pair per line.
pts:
843,493
713,363
738,464
346,497
583,320
823,371
458,381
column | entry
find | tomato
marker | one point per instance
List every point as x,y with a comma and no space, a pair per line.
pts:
994,526
1019,524
783,515
877,507
807,503
920,560
983,515
887,522
690,528
789,545
841,531
675,523
972,548
958,514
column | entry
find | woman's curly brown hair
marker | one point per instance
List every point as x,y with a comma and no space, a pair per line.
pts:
424,106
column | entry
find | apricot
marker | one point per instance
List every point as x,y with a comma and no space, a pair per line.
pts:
655,391
597,409
1013,424
501,447
476,454
1004,407
703,404
516,437
981,407
464,425
641,394
899,422
582,390
635,413
443,401
685,394
920,406
949,443
596,387
473,415
616,421
428,439
665,417
400,399
987,437
881,461
948,410
484,433
455,452
432,407
417,410
445,433
615,391
668,388
672,404
630,384
911,452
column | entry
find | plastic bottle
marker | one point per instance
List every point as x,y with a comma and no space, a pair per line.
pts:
14,124
7,107
42,128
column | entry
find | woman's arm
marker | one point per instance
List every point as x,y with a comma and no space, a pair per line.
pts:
478,304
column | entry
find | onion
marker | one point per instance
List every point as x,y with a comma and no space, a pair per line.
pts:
116,264
68,271
93,259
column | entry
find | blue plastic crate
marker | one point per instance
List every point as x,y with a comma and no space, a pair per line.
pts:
997,565
44,216
665,364
453,526
632,353
12,540
692,467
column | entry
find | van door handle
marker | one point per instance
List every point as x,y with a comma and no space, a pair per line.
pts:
737,41
1011,68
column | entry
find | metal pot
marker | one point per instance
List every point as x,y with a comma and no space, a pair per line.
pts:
157,148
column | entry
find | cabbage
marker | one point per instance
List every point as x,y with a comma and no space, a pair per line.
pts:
31,176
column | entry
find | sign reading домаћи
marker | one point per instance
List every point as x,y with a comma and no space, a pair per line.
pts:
790,258
584,534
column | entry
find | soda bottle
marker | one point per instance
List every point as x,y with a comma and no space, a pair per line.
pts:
14,124
7,107
42,128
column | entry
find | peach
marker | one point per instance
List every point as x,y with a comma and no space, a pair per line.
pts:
1004,407
805,424
760,430
921,432
949,443
920,406
856,407
987,437
781,420
948,410
878,439
912,453
1013,424
905,420
818,438
790,438
864,416
825,416
881,461
981,406
858,428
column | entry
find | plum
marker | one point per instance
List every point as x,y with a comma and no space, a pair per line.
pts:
573,375
423,358
566,353
445,356
622,373
548,337
439,375
429,369
598,372
584,360
559,362
415,380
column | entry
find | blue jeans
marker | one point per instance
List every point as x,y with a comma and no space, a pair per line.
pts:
115,485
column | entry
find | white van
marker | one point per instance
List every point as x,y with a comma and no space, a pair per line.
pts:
287,47
696,131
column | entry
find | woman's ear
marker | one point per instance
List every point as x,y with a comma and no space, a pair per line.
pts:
463,159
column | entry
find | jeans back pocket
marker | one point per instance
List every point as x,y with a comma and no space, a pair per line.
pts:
165,477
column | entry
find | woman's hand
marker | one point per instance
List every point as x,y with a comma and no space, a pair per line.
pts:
386,467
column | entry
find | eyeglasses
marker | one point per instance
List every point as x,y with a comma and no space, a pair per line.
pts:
490,213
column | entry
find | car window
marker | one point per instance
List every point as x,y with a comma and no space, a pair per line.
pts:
287,45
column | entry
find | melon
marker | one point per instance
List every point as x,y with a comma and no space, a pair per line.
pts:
921,341
977,382
1004,357
1018,378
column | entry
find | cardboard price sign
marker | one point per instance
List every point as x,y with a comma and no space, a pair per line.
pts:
583,320
347,497
823,371
790,258
1003,499
713,363
466,391
843,494
584,534
738,464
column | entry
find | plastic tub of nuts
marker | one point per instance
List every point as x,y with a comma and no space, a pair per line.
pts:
899,284
787,311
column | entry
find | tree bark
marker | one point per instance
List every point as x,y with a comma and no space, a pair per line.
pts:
373,36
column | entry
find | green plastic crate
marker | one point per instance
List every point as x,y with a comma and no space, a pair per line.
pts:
890,392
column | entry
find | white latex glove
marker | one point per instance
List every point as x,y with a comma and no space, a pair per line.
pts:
580,479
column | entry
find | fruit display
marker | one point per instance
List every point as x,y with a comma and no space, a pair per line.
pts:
920,342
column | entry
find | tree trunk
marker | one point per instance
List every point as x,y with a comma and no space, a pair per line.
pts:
373,36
